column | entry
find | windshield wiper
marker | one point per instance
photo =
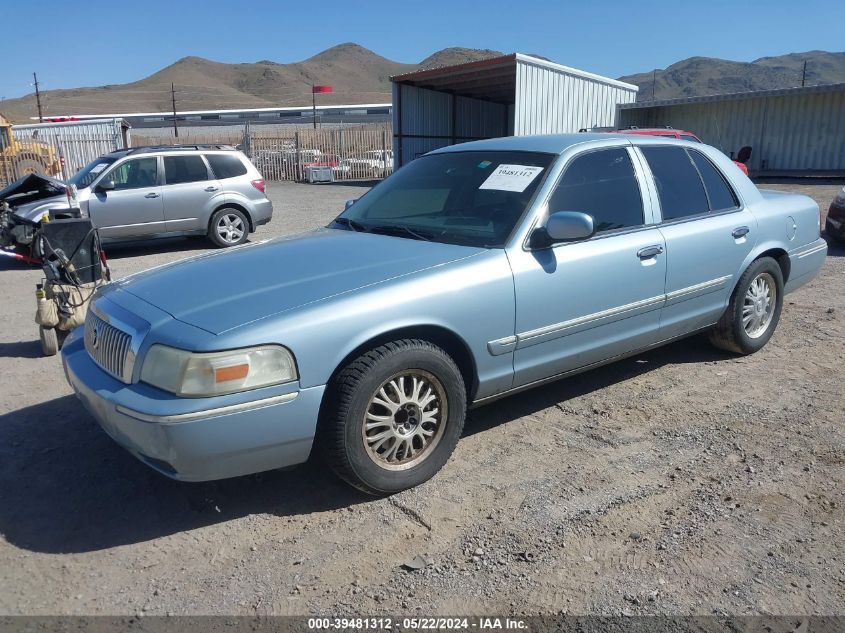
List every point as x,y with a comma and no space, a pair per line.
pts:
393,229
352,224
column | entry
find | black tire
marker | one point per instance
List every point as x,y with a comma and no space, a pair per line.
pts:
239,221
350,398
729,333
833,238
49,340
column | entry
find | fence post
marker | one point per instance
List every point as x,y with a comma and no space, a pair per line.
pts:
298,157
384,153
247,140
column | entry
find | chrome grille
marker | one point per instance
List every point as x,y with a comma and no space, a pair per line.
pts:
108,346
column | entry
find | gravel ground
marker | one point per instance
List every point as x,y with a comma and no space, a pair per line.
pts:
681,481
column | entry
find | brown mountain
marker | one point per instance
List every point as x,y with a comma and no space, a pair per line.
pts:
698,76
359,75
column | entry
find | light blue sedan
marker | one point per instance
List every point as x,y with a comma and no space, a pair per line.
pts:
474,272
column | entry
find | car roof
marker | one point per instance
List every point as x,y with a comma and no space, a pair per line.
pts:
154,149
545,143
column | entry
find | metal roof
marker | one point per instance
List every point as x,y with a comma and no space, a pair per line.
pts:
736,96
492,79
85,117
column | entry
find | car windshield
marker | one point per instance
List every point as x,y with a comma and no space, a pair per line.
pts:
473,198
85,176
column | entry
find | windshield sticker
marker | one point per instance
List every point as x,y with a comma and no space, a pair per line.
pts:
511,178
484,164
96,169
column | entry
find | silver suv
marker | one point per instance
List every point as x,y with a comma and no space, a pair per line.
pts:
169,190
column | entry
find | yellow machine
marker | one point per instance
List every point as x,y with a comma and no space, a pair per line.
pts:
19,158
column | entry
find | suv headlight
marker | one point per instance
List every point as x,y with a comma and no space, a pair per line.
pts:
214,373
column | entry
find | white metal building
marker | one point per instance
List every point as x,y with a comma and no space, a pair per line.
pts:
791,131
510,95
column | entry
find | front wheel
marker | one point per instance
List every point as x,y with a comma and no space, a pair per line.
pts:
754,310
228,227
393,416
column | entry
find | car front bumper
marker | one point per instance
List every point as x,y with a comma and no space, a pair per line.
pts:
228,440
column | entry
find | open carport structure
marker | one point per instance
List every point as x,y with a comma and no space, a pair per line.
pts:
510,95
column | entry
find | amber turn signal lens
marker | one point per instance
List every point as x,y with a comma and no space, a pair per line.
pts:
235,372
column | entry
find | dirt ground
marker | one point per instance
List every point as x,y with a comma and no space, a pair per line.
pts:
681,481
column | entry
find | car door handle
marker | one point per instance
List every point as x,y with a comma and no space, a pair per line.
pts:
151,195
211,189
648,252
740,231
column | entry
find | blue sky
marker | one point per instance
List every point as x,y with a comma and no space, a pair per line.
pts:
94,44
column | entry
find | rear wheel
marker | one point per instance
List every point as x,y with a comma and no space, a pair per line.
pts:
754,310
393,416
228,227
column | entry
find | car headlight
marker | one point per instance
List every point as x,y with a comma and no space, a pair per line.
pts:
214,373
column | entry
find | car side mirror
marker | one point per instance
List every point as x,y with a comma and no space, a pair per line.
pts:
348,204
106,185
564,226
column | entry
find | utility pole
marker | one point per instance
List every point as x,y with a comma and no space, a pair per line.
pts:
804,74
653,83
173,99
314,105
38,98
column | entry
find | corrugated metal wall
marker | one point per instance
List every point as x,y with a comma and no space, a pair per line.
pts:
788,133
77,143
550,101
427,121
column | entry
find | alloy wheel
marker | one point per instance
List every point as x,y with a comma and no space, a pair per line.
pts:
405,419
230,228
758,305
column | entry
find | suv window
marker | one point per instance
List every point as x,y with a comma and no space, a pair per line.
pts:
134,174
719,192
180,169
678,183
603,184
226,165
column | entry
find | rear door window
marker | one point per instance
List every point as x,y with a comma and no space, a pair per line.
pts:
678,183
182,169
603,184
226,165
719,192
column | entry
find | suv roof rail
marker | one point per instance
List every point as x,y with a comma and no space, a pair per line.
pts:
146,149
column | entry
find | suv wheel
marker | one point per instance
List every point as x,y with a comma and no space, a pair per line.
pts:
393,416
228,227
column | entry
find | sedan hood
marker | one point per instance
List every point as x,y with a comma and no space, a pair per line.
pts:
224,290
